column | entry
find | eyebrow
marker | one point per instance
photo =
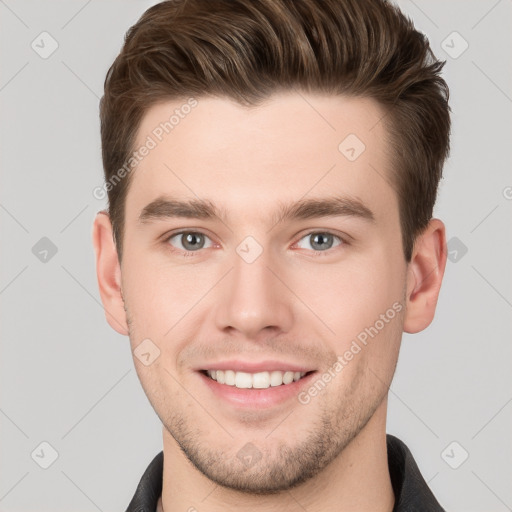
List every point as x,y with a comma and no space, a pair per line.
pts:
167,207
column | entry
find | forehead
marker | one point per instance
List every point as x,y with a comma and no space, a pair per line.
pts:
292,145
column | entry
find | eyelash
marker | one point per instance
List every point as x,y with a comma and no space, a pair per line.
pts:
327,252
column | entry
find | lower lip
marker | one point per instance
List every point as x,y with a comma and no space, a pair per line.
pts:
254,398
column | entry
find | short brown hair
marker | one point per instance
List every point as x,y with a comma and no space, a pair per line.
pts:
248,49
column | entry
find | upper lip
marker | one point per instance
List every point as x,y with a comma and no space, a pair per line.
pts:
254,367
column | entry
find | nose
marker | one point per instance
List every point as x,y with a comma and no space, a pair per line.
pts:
253,300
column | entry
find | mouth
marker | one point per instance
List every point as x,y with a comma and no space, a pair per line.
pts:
258,380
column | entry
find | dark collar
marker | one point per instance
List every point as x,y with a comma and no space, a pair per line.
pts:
412,493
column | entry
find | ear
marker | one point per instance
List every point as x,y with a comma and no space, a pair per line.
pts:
108,272
424,276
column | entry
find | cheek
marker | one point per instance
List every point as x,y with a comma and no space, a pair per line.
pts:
361,301
159,295
351,294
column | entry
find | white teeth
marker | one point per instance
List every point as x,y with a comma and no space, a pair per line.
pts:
260,380
229,376
276,378
243,380
288,378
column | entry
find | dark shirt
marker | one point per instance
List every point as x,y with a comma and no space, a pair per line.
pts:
412,493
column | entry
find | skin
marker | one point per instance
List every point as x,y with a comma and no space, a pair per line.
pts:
295,302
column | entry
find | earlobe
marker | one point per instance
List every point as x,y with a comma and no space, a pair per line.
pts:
424,277
108,273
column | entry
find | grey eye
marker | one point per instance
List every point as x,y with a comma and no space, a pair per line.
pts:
321,241
189,241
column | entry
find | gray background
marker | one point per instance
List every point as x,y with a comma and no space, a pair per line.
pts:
68,379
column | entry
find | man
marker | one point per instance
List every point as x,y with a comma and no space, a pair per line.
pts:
272,167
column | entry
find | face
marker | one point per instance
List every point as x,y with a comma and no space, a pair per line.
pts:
290,260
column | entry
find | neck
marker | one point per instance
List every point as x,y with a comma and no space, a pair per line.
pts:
357,480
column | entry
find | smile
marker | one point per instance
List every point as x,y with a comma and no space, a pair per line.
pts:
259,380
